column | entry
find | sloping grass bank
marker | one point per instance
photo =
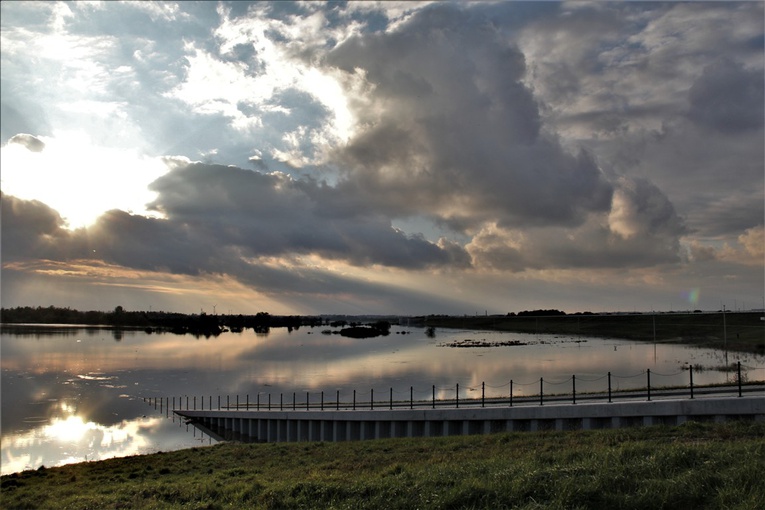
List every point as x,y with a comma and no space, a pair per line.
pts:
687,467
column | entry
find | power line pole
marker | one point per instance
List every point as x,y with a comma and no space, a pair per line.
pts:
725,336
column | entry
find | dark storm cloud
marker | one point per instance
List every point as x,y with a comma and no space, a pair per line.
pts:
32,230
452,132
194,245
714,180
217,218
728,98
274,215
643,230
154,244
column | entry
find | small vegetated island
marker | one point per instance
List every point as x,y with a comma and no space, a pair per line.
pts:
377,329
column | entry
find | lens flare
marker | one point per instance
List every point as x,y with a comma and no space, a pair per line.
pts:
693,296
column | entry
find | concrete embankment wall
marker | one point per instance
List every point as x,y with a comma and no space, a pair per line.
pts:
278,426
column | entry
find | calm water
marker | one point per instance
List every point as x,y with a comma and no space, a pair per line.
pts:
74,394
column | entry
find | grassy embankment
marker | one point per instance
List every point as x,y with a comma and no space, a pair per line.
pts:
743,332
690,466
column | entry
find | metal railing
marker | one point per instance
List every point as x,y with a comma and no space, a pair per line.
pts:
546,394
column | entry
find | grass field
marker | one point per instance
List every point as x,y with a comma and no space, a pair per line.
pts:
743,332
686,467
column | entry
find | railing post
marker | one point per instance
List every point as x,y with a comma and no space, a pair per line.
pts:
573,389
434,396
293,400
609,387
269,401
337,400
691,373
391,399
173,403
541,392
247,405
411,397
372,399
354,400
257,404
322,400
648,375
281,401
458,395
218,402
739,378
511,393
306,401
210,402
237,401
483,393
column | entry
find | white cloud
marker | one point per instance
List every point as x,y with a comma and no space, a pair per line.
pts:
166,11
220,82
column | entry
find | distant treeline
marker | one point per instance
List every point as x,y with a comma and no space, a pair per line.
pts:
203,324
537,313
526,313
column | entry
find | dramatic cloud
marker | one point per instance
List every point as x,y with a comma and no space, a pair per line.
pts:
273,215
451,132
31,230
393,157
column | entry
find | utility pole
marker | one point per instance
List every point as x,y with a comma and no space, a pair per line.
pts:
653,316
725,336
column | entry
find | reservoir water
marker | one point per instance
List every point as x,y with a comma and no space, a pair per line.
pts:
74,394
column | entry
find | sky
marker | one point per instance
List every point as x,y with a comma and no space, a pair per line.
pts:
382,158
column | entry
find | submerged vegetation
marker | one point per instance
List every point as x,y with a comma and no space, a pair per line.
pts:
695,465
733,331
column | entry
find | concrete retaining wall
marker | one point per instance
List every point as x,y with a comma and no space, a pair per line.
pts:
278,426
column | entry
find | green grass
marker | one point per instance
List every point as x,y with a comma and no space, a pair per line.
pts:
687,467
743,331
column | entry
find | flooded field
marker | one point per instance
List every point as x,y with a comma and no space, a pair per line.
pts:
71,394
